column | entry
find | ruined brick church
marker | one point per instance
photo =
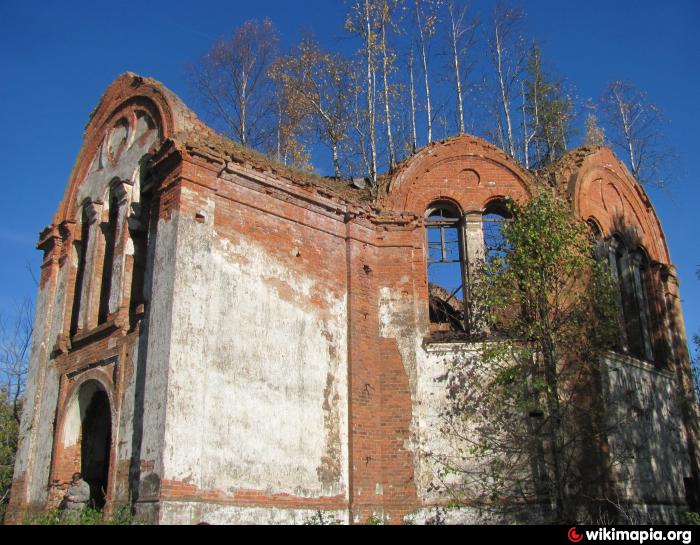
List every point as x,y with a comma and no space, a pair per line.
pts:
226,340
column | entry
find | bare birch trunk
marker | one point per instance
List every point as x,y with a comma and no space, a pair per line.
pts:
370,96
336,161
505,100
424,57
244,103
526,136
458,78
414,140
387,112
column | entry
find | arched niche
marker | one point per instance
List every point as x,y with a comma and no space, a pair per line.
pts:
134,113
603,189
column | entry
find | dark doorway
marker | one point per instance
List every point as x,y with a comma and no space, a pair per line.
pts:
95,447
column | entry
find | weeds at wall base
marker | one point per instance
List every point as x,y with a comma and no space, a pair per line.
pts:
121,516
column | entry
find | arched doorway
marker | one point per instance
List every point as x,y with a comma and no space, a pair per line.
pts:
89,423
95,446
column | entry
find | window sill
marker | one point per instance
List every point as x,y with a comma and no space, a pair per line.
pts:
454,340
438,335
626,359
83,338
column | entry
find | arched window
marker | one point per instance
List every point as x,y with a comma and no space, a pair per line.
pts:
446,272
594,228
109,230
631,270
457,246
140,227
493,219
81,247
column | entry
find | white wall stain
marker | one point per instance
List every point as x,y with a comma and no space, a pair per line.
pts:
255,371
180,512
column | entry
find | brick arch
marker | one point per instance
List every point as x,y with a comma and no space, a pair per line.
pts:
443,200
495,202
66,456
604,191
71,398
130,100
465,169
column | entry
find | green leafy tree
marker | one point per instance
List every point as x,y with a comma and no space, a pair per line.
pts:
525,412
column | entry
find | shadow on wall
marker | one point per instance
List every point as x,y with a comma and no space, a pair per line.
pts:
144,230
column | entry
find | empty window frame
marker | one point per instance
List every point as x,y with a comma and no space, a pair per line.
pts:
630,270
109,229
81,248
493,220
446,271
140,227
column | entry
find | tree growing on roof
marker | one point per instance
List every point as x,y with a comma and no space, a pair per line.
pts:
462,40
362,21
426,26
636,128
547,113
318,87
507,54
595,134
232,83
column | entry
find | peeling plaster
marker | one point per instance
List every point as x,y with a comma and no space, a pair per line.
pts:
193,512
257,387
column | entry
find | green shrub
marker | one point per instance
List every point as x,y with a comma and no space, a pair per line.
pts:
692,518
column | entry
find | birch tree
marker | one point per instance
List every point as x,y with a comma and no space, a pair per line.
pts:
290,129
358,114
426,20
362,21
462,38
318,84
387,10
595,134
547,112
414,141
636,128
231,82
507,54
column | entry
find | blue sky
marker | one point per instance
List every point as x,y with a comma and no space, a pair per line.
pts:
58,57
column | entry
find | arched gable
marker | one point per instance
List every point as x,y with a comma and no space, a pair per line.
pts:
464,169
604,191
134,117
